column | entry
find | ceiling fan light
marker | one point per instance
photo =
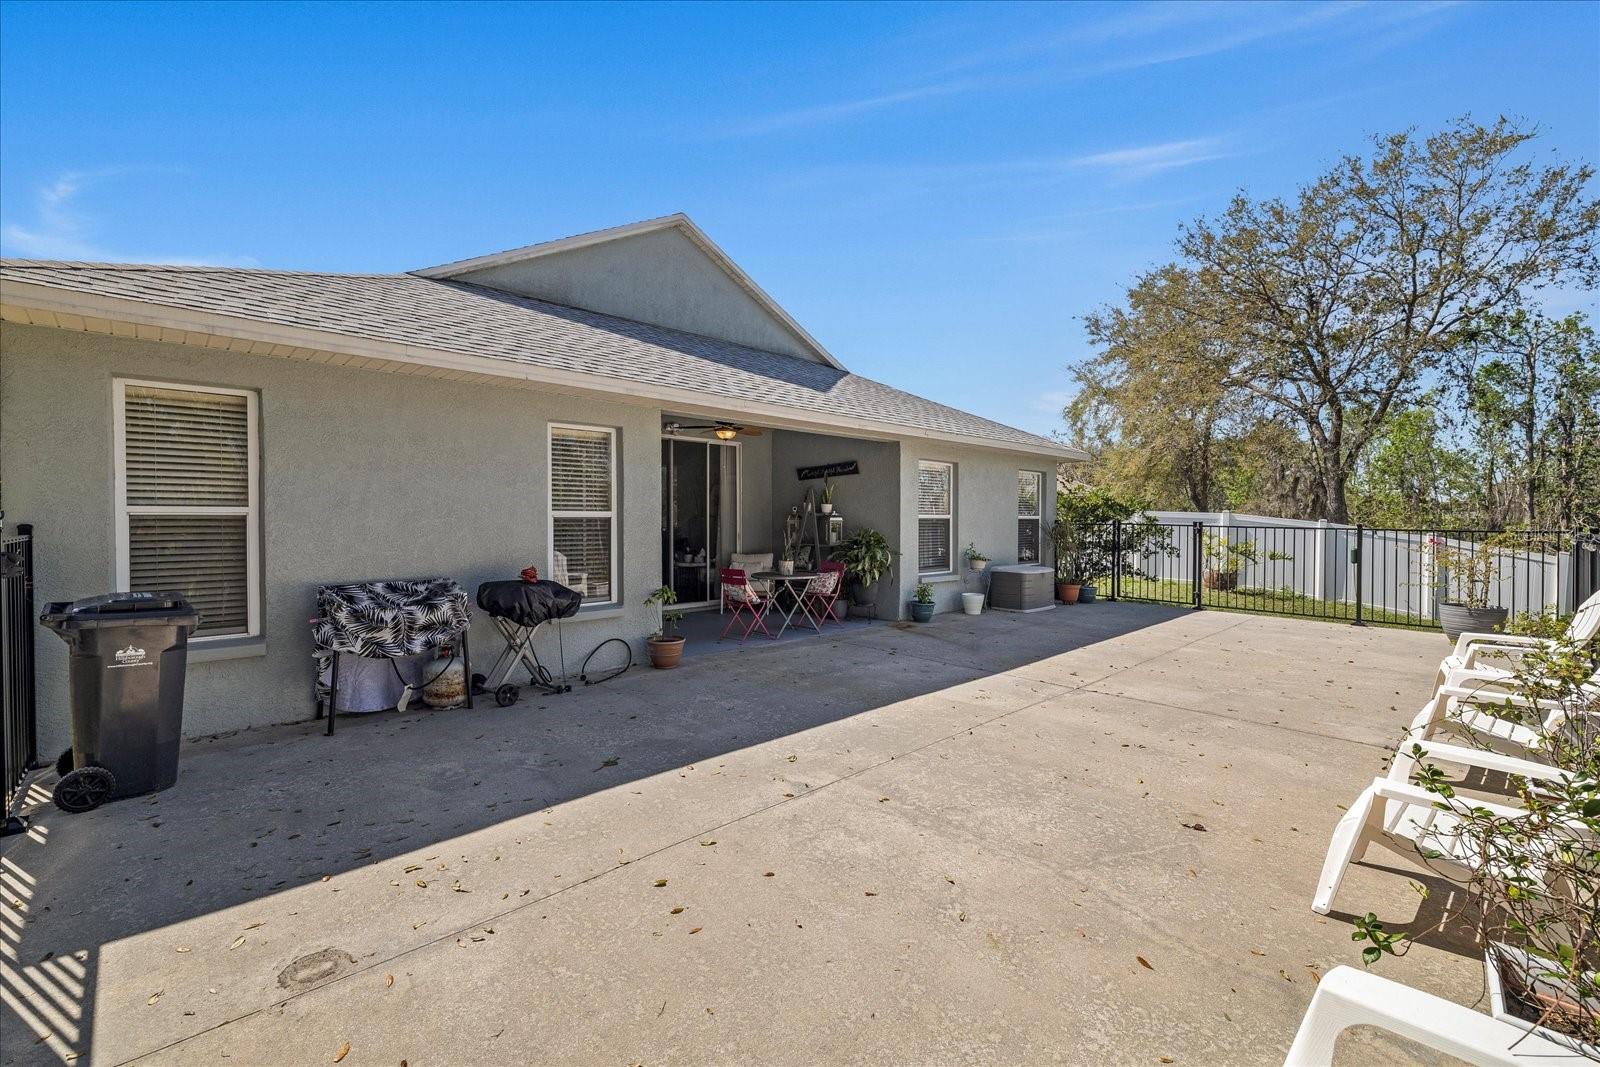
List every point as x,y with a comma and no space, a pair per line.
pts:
726,433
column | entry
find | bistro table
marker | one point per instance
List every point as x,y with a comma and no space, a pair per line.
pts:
772,579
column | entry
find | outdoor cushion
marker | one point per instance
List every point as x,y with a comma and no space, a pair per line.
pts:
388,619
751,562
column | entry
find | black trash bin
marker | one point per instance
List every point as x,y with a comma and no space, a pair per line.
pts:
128,656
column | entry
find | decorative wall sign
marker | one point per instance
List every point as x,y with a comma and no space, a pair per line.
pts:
828,470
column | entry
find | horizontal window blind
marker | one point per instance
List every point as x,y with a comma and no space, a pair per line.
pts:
186,502
935,525
933,545
582,510
186,448
580,470
1029,515
202,556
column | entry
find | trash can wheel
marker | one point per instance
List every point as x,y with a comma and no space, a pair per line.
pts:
506,695
84,789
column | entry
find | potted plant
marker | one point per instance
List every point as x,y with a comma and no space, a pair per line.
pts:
1224,558
1465,572
826,497
975,559
665,645
866,557
922,603
1066,539
786,555
1536,886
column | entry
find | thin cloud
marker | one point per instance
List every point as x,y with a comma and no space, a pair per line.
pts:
62,229
1154,158
812,116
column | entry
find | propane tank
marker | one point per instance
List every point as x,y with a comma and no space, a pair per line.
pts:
447,685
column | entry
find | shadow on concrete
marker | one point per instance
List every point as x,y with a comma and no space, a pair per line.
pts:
262,812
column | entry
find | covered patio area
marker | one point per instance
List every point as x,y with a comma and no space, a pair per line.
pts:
1085,836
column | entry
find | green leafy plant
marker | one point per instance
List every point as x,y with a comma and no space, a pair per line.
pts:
1467,569
1547,623
866,556
972,555
924,593
1092,544
826,496
1226,556
666,621
1536,885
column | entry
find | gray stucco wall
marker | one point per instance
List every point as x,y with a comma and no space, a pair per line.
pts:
660,277
364,475
985,513
868,499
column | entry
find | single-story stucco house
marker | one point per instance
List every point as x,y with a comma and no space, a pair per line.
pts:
622,409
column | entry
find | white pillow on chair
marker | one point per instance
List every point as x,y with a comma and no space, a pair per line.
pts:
751,562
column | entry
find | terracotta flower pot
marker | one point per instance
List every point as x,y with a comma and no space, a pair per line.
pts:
1226,581
1067,592
665,652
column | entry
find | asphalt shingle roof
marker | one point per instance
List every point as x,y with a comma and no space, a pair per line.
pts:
457,317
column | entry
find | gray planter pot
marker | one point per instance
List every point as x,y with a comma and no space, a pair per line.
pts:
1458,619
1086,594
921,612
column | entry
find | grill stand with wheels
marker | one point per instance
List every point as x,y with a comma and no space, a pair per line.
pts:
519,609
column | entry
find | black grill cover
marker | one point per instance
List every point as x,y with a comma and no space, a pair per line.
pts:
529,603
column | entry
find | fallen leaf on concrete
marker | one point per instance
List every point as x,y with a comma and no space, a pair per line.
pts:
791,759
1315,977
676,911
870,893
707,844
883,800
1198,827
769,874
459,888
660,883
155,996
1144,963
1284,975
183,948
412,867
236,942
388,980
1257,952
344,1050
1164,1059
612,762
697,929
421,884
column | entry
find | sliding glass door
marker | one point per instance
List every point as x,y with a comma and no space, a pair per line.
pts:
699,516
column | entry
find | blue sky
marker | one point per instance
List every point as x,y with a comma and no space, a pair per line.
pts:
938,192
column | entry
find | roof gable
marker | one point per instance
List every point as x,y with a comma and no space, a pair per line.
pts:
664,271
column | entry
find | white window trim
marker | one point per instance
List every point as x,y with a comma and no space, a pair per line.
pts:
552,514
950,548
1038,543
251,511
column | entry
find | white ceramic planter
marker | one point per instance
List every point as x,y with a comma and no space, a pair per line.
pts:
972,603
977,564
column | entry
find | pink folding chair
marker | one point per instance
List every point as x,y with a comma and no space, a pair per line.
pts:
747,602
822,592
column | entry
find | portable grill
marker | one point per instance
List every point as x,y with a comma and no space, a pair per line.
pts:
519,609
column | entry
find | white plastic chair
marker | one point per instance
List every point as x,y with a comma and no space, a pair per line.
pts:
1407,819
1464,707
1472,648
1349,997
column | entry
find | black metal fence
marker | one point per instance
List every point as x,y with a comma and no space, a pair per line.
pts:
21,743
1356,574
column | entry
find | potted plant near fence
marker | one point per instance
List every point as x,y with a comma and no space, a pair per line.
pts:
1466,571
1223,560
1536,890
666,645
975,559
1066,539
922,603
867,557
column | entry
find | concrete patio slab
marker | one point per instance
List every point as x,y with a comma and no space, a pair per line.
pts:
972,841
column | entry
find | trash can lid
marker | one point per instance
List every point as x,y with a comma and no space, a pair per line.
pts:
126,606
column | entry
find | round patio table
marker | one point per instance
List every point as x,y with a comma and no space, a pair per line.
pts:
798,578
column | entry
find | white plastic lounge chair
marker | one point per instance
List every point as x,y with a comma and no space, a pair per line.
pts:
1482,650
1405,819
1348,997
1467,710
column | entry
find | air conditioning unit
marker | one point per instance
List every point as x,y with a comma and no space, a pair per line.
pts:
1022,587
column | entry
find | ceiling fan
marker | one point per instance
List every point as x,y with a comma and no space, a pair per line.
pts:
724,431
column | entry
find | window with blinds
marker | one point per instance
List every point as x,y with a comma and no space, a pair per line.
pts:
583,517
186,500
1030,515
935,517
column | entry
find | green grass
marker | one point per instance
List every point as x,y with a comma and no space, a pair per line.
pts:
1258,602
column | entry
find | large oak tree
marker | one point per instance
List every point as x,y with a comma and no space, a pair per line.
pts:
1341,303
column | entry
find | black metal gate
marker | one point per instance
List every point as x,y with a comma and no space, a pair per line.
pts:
16,665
